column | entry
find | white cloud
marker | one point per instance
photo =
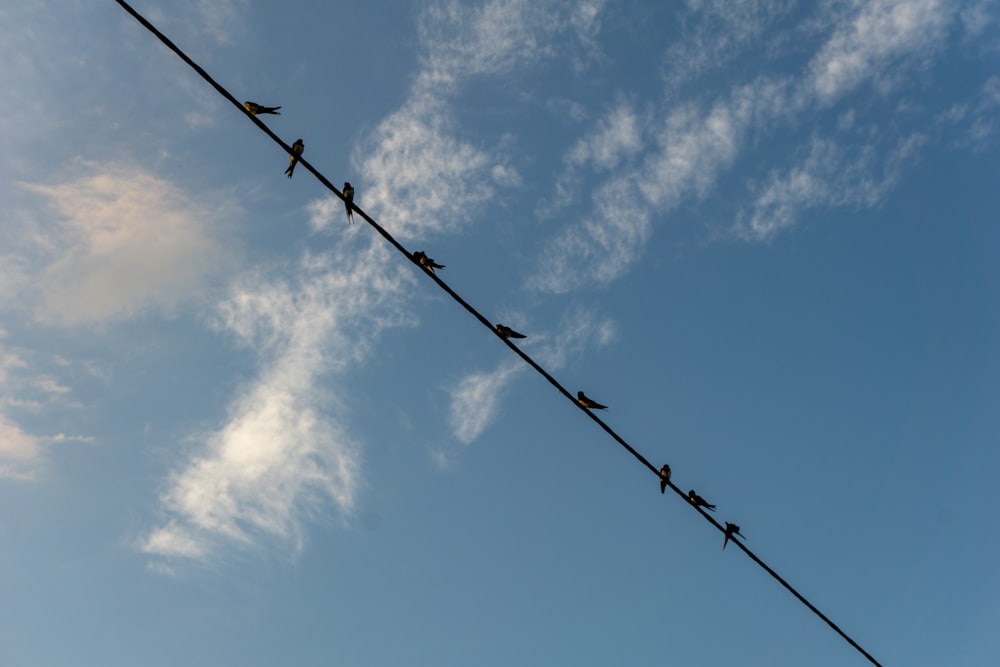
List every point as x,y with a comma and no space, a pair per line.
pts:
50,385
418,171
476,399
418,176
19,451
983,126
284,450
829,176
618,135
691,150
172,541
976,119
220,18
506,176
62,437
874,40
124,241
24,390
614,138
693,146
721,30
578,330
601,246
585,18
462,41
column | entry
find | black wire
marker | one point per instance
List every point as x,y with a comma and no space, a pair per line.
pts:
485,322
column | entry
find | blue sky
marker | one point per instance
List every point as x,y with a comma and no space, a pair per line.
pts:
235,430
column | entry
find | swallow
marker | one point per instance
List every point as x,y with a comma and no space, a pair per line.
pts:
255,109
664,477
421,258
733,531
293,159
698,501
349,201
588,403
507,333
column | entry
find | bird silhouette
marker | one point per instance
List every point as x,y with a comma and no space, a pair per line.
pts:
293,159
733,531
507,333
664,477
698,501
349,201
255,109
588,403
421,258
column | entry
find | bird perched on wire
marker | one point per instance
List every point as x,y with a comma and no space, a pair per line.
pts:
664,477
293,159
349,201
698,501
507,333
255,109
733,531
588,403
421,258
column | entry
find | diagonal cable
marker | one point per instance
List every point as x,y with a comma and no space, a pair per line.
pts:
485,322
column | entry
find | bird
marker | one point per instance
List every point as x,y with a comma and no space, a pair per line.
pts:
698,501
423,260
293,159
588,403
349,201
507,333
664,477
255,109
733,531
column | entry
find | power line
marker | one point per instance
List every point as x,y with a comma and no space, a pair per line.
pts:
485,322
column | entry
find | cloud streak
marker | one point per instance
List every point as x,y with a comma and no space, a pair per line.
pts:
875,38
24,390
476,398
475,401
419,174
682,156
829,176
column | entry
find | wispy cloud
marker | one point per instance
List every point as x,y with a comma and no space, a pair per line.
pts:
977,119
222,19
720,31
690,150
476,398
615,137
874,39
695,142
979,21
418,172
123,241
578,329
23,389
418,175
462,41
829,176
284,451
19,451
